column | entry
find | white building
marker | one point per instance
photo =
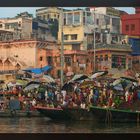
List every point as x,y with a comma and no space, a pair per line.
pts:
21,27
25,27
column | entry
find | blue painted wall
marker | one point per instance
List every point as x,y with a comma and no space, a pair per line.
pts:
135,46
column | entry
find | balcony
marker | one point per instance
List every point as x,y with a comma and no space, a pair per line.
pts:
121,47
12,37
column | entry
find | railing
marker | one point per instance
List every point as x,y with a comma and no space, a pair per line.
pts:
4,38
117,46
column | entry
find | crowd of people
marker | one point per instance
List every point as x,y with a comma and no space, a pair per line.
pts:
101,94
97,93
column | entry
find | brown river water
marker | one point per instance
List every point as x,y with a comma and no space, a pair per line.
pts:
45,125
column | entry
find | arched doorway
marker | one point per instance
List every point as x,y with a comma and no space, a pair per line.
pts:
17,67
7,65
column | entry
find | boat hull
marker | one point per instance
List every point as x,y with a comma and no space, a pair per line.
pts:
66,113
115,115
95,114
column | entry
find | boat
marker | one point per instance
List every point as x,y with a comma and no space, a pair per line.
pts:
115,115
94,113
65,113
19,114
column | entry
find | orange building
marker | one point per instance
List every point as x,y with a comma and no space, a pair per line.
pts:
36,54
23,54
113,58
74,61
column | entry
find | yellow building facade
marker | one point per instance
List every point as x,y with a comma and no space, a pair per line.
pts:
73,37
74,26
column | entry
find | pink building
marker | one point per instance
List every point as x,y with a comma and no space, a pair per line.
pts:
23,54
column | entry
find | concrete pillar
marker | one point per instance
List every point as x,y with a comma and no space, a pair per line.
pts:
101,37
66,18
81,17
109,36
73,18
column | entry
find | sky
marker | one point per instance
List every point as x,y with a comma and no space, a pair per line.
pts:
13,11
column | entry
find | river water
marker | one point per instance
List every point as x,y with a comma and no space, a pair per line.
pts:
45,125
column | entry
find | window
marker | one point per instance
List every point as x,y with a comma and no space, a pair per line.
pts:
115,21
74,37
75,46
76,18
69,18
41,58
48,16
127,27
118,61
97,21
49,60
43,17
123,62
64,19
88,18
66,37
0,25
107,20
39,17
81,68
68,61
6,26
84,20
114,40
101,58
106,57
132,27
96,58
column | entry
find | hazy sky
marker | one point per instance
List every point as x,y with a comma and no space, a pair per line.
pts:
13,11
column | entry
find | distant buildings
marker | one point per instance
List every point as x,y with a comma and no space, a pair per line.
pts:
20,27
74,29
112,52
24,26
79,26
48,13
37,42
23,54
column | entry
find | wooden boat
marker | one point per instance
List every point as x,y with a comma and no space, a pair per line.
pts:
66,113
115,115
19,114
95,113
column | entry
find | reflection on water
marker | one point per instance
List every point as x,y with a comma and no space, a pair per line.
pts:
45,125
